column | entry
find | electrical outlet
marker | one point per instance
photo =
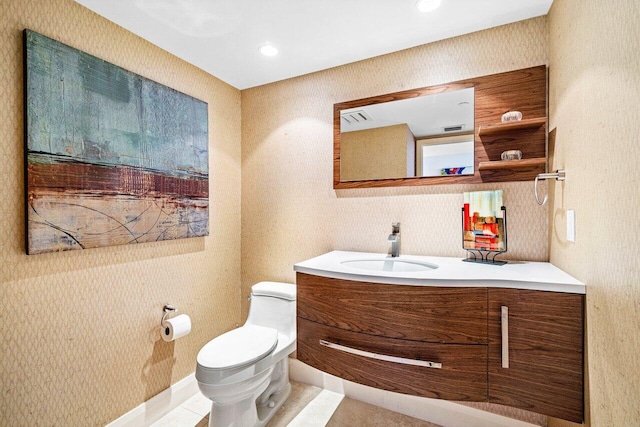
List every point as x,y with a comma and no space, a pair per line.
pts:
571,226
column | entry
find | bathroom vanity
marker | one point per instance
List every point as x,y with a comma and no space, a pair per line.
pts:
442,328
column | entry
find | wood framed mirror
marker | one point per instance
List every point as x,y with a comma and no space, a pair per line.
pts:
375,148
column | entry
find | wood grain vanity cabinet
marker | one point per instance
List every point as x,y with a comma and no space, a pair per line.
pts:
445,326
449,341
542,370
418,313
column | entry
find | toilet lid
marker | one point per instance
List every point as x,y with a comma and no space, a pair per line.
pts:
238,347
285,291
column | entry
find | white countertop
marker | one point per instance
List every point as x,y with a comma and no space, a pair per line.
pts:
541,276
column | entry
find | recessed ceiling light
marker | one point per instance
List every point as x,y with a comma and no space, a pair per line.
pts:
268,50
428,5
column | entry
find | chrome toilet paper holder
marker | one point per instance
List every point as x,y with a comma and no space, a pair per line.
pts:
168,309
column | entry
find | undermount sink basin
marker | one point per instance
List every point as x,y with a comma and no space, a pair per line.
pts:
390,264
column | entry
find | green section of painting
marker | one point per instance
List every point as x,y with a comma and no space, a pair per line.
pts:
85,108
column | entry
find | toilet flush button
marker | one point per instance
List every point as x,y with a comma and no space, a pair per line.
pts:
571,226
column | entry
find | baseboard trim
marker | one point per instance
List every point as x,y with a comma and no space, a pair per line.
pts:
159,405
442,412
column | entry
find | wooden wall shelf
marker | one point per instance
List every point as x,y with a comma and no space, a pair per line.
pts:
512,164
494,129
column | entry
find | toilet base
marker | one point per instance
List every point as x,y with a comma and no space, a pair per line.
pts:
265,413
259,406
247,413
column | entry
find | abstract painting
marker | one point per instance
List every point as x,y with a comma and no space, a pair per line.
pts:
484,221
111,157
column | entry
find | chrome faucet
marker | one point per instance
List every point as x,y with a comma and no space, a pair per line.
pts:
394,238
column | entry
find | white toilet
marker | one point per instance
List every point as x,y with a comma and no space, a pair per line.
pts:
245,371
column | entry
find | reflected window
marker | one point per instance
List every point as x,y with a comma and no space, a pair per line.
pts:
449,155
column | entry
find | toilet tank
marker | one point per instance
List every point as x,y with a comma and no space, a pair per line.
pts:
273,304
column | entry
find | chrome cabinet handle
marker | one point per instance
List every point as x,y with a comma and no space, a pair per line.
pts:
504,323
383,357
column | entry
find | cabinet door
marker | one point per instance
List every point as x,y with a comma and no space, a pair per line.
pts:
538,366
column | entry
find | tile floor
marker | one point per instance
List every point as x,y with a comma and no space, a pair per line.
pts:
308,406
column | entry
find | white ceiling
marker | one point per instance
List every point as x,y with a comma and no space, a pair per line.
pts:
424,115
223,36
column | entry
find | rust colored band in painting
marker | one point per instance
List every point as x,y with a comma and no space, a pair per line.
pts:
112,180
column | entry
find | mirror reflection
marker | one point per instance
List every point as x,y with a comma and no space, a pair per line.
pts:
430,135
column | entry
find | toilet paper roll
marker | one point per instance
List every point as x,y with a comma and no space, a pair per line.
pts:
175,328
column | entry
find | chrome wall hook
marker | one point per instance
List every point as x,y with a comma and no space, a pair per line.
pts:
558,175
168,309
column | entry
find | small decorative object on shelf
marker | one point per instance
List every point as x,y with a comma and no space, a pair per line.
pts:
484,226
511,116
493,129
511,155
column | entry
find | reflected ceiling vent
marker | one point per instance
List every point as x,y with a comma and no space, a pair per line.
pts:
454,128
354,117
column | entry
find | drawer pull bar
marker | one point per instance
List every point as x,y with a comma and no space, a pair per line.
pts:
384,357
504,317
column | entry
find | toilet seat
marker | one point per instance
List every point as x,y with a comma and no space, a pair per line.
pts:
239,347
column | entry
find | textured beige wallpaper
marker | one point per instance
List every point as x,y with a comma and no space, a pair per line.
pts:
377,153
594,90
290,211
80,339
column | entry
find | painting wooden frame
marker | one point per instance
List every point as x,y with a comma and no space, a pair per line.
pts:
111,157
